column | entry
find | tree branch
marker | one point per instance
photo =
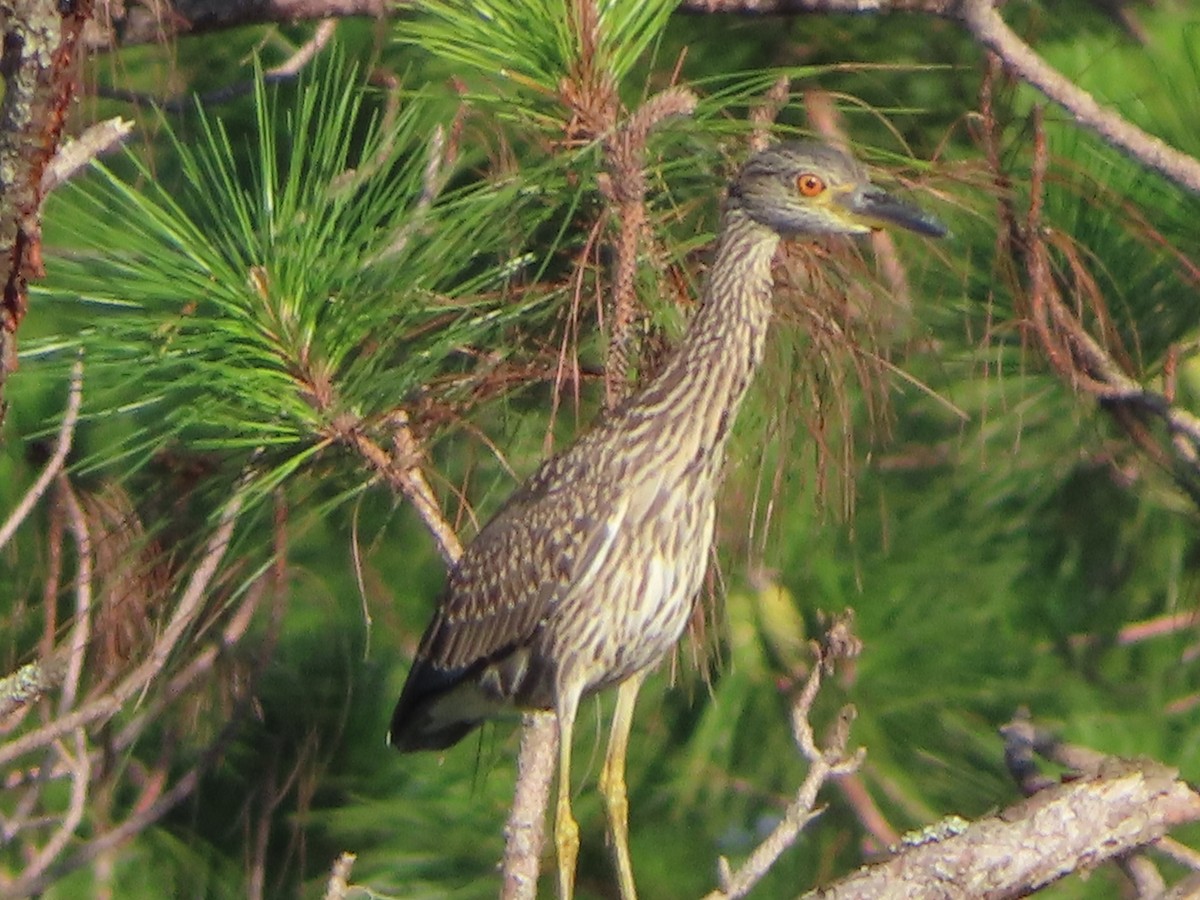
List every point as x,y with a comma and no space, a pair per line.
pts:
123,23
190,603
81,627
62,447
524,832
834,760
40,39
402,472
34,874
1126,805
986,25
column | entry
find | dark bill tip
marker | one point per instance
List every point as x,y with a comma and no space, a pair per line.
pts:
880,209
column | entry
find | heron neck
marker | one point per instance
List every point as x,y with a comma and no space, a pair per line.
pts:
703,384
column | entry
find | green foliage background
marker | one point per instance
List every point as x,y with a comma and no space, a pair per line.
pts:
1001,534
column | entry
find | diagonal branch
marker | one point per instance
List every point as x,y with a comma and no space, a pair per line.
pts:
985,24
62,447
1065,828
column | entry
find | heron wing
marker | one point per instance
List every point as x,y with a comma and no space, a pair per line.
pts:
550,537
545,540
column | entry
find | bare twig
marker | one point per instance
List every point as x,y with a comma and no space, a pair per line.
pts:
1144,875
96,140
200,665
1179,853
824,763
401,470
81,627
415,488
33,874
155,797
1172,623
190,603
144,815
867,810
338,885
62,447
287,70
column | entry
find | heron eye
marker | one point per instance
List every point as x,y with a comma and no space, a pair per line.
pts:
809,185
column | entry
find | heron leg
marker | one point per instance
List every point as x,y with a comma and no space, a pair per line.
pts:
612,782
566,829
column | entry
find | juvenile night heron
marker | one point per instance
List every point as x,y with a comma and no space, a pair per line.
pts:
587,575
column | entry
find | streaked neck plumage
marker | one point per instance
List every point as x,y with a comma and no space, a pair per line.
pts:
696,396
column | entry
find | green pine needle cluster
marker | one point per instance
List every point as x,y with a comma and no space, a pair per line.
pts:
290,280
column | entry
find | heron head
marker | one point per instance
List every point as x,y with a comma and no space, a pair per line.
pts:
810,188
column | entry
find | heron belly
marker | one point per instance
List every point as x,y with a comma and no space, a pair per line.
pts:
648,598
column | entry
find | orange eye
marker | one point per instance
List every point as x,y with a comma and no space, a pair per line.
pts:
809,185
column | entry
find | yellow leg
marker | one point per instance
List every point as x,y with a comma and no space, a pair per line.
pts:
566,829
612,782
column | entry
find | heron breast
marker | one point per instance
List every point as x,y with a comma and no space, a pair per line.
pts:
635,608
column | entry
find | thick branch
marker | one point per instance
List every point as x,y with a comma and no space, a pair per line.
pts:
525,830
40,39
1061,830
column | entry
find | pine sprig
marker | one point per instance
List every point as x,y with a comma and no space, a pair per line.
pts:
264,297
